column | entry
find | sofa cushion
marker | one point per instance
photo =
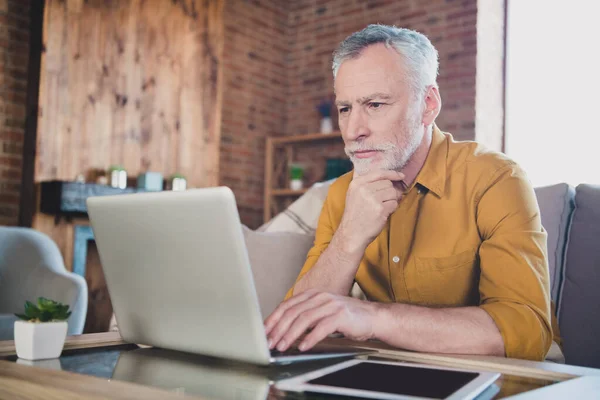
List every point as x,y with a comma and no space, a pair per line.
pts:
276,259
579,314
302,216
556,206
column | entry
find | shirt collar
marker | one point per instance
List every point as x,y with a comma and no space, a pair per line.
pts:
433,173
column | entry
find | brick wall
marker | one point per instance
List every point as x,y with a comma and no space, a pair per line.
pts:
317,28
254,97
276,68
14,51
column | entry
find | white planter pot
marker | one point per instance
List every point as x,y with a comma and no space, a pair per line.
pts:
39,341
179,184
326,125
296,184
118,179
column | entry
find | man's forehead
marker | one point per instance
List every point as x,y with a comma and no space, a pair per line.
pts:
356,87
377,69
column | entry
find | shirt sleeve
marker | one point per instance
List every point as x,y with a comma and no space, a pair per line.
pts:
514,280
323,236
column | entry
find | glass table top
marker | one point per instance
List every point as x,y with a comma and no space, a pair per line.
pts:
215,378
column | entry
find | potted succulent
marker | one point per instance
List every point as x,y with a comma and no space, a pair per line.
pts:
41,332
118,176
296,175
178,182
324,109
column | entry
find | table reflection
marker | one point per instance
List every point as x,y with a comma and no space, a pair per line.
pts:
205,376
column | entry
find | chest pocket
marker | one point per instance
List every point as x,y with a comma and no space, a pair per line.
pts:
451,281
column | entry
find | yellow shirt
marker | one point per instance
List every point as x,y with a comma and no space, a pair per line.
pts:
467,232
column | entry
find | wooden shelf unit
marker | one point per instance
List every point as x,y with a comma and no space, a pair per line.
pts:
279,153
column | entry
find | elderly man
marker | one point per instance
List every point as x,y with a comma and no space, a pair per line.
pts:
443,237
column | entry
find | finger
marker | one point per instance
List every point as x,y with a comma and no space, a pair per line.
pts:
326,326
289,316
304,321
272,319
380,185
382,174
386,195
390,206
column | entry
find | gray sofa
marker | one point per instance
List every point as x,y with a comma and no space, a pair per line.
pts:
577,267
570,215
31,266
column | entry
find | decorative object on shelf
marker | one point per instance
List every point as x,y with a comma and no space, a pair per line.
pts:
336,167
67,199
97,175
296,175
41,332
150,181
325,110
118,176
178,182
80,178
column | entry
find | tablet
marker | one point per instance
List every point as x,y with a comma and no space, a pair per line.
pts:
391,380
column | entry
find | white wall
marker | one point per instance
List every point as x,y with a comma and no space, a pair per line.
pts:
553,89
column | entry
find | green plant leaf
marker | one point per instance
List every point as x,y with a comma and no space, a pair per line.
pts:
48,305
62,316
23,317
45,311
31,310
45,316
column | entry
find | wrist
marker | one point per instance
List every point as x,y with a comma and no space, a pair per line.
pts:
388,321
348,243
380,316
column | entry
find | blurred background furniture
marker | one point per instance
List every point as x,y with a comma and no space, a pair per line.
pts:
31,266
279,155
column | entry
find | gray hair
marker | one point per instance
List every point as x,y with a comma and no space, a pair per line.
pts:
419,54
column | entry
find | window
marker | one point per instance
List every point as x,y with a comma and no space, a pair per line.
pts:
553,90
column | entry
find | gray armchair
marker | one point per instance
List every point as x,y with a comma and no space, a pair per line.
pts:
31,266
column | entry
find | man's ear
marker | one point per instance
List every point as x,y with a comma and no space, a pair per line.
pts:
433,105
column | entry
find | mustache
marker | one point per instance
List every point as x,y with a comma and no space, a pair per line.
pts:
350,150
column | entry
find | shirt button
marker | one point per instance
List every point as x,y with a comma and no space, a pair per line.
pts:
396,259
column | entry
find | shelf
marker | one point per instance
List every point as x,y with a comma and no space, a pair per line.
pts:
287,192
279,154
279,140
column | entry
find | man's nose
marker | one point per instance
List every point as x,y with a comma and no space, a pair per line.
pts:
357,127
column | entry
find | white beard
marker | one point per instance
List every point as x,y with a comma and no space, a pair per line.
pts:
394,157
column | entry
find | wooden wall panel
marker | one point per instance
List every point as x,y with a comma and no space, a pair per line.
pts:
129,82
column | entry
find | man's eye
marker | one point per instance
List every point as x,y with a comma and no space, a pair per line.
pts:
343,110
375,105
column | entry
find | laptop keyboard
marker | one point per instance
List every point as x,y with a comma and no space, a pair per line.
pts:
292,351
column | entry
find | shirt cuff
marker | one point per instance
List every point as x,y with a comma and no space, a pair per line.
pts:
525,334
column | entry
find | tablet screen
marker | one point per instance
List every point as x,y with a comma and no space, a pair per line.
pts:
398,379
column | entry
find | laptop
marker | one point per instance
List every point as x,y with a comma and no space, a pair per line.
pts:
179,277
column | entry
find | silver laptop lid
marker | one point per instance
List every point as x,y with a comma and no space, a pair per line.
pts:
178,272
